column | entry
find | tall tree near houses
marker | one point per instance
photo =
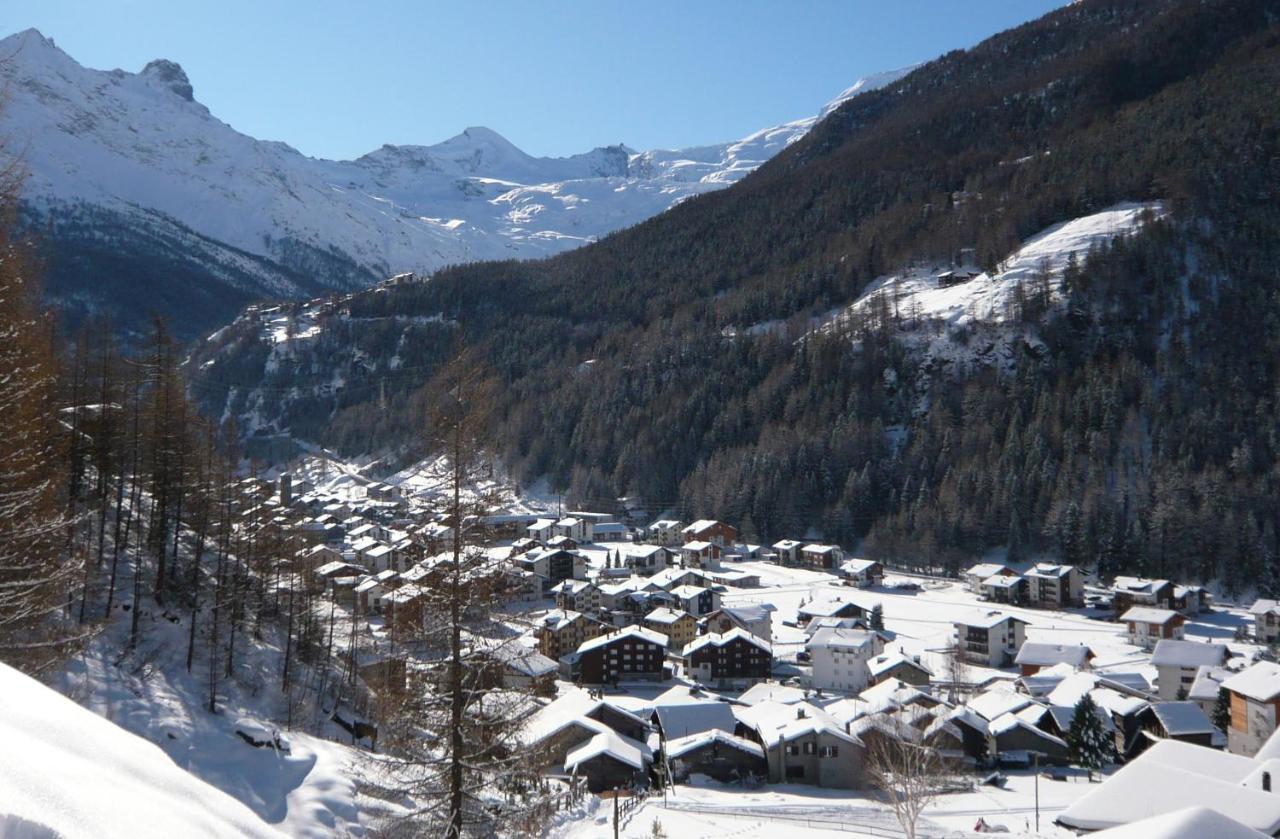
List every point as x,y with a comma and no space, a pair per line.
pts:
459,739
1087,739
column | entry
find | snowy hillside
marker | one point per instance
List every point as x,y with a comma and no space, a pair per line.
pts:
82,776
987,297
141,144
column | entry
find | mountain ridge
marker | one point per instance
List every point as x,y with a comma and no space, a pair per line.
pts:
132,142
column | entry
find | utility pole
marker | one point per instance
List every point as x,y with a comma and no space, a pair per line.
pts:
616,818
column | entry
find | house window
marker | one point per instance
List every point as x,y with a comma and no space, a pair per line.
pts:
828,751
793,749
810,748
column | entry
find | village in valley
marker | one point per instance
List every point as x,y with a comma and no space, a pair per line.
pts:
673,676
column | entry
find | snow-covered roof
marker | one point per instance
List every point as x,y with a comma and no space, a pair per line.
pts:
523,659
750,613
688,592
983,570
720,639
786,545
637,633
857,566
1063,715
1036,653
1008,722
571,706
1050,571
1188,654
1172,775
682,719
840,638
666,616
684,745
612,744
1263,606
1271,749
558,619
1207,683
888,661
1261,681
819,549
1187,823
986,620
779,723
1138,585
699,526
828,607
1148,614
998,702
767,692
1002,581
1181,719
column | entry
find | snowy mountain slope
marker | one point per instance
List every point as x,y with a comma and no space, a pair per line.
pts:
66,772
987,297
139,144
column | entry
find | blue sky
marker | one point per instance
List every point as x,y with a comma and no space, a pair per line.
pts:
337,79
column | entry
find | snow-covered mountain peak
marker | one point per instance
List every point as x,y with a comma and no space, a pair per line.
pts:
864,84
171,75
139,150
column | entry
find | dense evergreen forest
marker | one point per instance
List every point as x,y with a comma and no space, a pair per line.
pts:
1138,432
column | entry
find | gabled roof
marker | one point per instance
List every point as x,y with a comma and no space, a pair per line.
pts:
829,607
611,744
694,717
766,692
889,661
667,616
1207,683
986,620
1173,653
699,526
1149,614
1009,722
1263,606
1260,682
573,706
1182,718
857,566
721,639
1183,824
1138,585
684,745
1050,571
998,702
558,619
637,633
1172,775
1036,653
839,638
984,570
819,549
778,723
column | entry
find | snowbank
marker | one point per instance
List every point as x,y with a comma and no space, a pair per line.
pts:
65,771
